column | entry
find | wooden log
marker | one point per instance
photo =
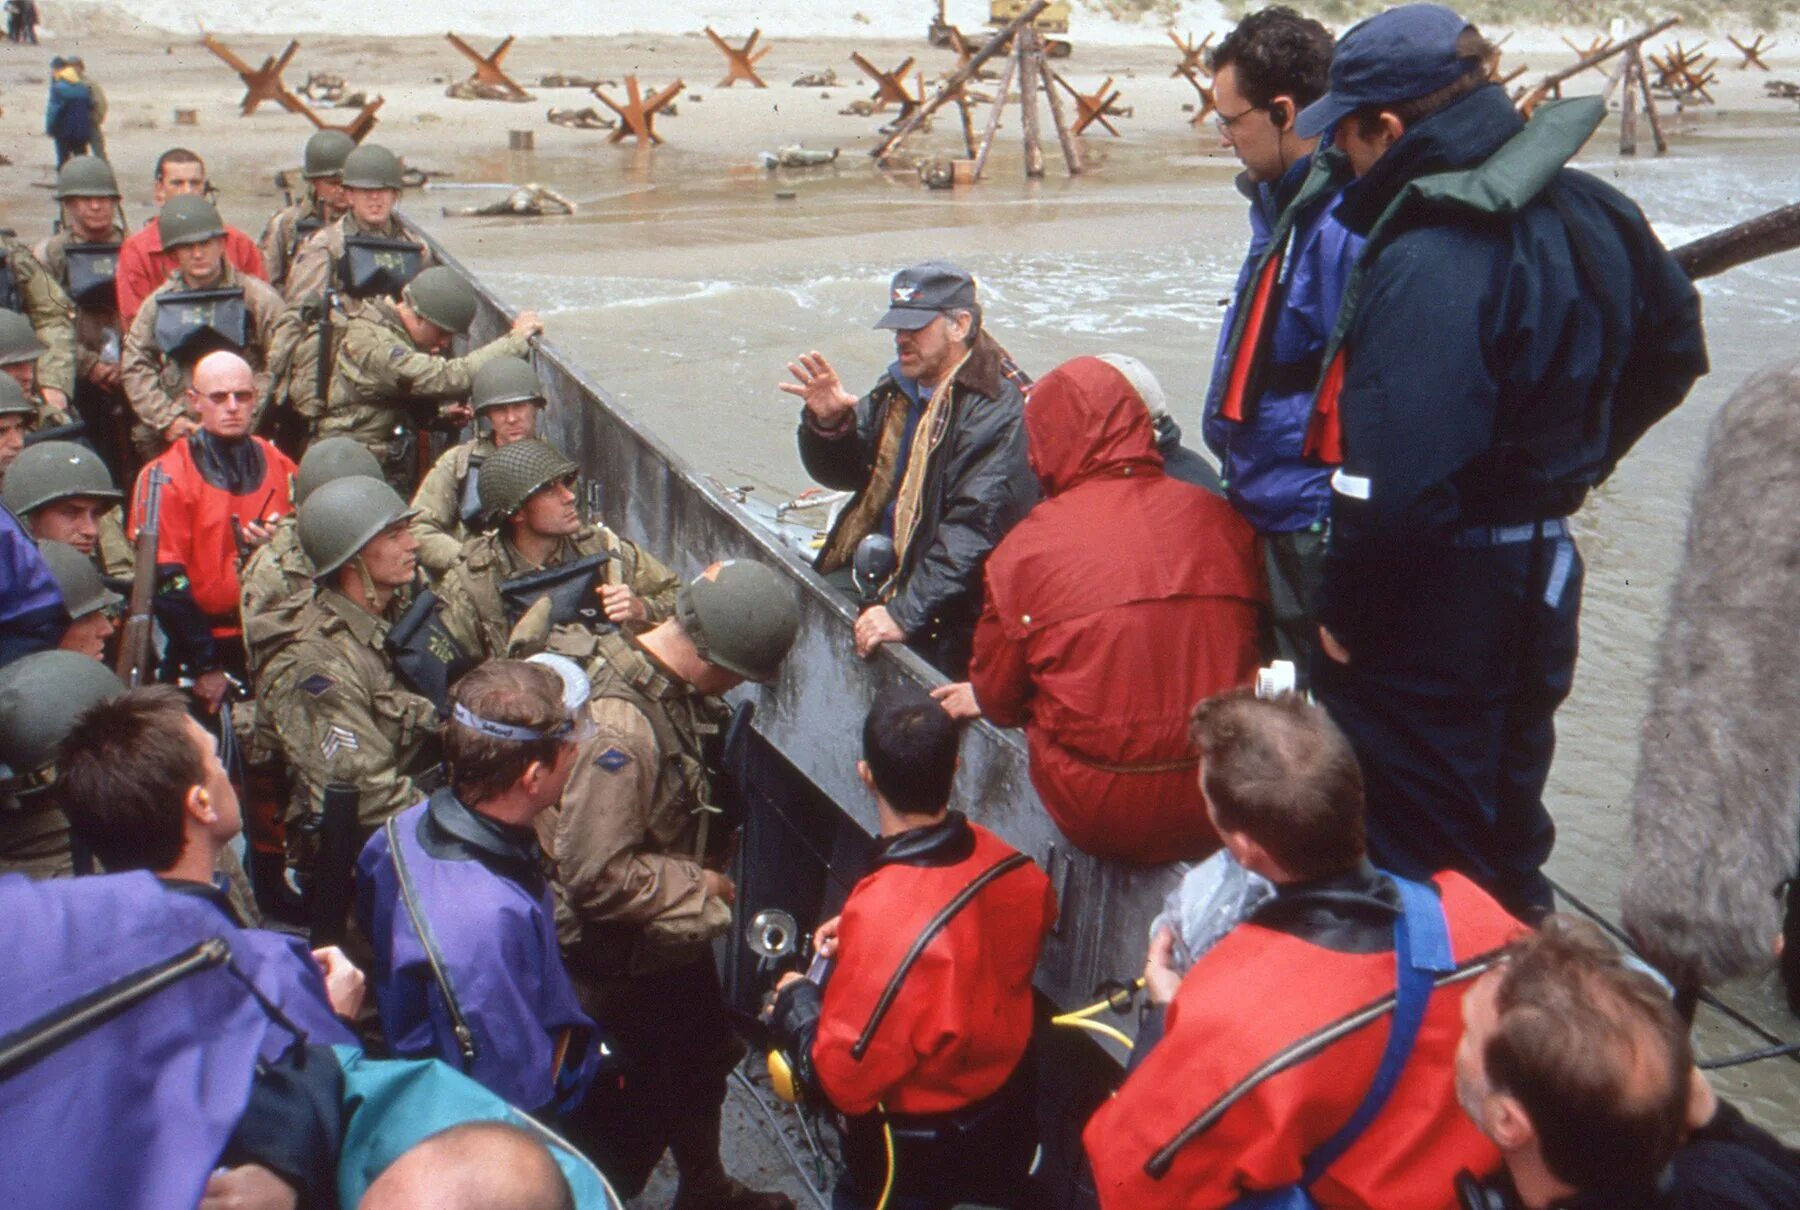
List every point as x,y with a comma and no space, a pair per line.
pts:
1030,81
987,136
953,84
1765,235
1643,79
1071,153
1556,78
1627,108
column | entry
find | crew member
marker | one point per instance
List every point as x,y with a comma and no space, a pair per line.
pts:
1179,462
528,489
367,252
393,375
221,491
933,1043
476,1166
91,606
83,257
41,694
1232,1090
144,262
31,612
1265,72
935,453
322,166
452,894
638,857
1452,582
505,393
1122,581
64,493
1578,1067
68,115
22,352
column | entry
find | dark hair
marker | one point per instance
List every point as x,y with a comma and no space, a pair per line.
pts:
177,155
1595,1053
126,767
1470,46
1279,771
513,692
910,745
1277,53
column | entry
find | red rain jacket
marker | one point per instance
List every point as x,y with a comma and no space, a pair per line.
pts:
1120,601
1254,993
962,1019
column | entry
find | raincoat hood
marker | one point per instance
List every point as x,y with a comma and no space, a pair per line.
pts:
1083,420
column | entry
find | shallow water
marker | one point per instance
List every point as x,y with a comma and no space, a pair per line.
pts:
685,284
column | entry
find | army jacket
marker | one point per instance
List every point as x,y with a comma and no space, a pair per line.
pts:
155,387
441,499
114,553
380,372
275,587
92,324
343,714
628,839
34,838
27,287
477,618
282,238
315,264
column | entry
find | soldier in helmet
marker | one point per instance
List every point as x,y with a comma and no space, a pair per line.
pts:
27,289
40,697
506,394
323,167
207,304
21,354
144,262
83,257
640,892
594,579
92,607
64,493
368,252
393,375
17,414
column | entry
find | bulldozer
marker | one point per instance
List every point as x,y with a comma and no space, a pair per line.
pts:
1053,20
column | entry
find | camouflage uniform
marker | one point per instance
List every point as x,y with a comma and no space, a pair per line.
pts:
471,591
156,387
275,588
34,838
344,715
315,264
282,238
441,500
36,295
380,371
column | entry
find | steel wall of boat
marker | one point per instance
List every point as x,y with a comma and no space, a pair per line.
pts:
813,714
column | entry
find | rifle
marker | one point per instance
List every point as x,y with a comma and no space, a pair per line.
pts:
322,369
133,662
331,828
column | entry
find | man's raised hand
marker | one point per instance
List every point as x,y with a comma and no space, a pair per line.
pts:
818,386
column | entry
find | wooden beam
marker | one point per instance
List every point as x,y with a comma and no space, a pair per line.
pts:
740,63
638,115
1071,152
993,125
954,82
1765,235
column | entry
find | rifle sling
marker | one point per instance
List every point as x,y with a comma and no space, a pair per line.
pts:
465,1038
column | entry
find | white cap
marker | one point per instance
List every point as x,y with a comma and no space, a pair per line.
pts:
1142,381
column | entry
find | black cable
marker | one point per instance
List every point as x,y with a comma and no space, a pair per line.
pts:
781,1137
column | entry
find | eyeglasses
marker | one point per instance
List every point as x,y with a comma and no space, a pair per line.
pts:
221,398
1225,122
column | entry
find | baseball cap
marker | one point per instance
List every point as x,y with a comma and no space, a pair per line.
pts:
1396,55
923,292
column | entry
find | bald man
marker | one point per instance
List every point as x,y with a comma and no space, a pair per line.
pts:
476,1166
222,490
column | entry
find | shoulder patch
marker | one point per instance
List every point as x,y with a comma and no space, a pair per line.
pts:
612,760
396,353
317,683
338,739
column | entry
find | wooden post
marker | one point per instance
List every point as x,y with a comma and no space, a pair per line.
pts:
521,140
1764,235
1643,79
987,137
1071,153
953,85
1553,82
1628,109
968,124
1030,80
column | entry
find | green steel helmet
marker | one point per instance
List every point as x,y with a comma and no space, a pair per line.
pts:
18,339
505,380
343,516
13,401
371,166
189,219
740,615
510,476
41,696
55,470
325,153
332,458
443,296
86,176
83,591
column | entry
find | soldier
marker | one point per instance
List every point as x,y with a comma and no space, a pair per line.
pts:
368,252
25,288
528,488
64,493
640,895
40,697
392,375
506,394
292,225
21,351
84,258
207,304
16,416
92,607
145,262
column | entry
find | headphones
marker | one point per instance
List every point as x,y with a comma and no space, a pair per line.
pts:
1283,113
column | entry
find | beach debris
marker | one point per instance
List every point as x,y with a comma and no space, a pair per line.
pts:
1782,90
1193,55
937,174
324,86
490,81
521,140
793,155
187,117
1753,52
260,83
587,118
528,201
858,109
568,79
890,86
638,115
740,62
818,79
1102,104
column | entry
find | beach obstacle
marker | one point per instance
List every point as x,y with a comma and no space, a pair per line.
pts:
358,127
1096,107
1193,55
1753,52
490,79
1208,103
890,86
740,63
638,115
260,83
1589,57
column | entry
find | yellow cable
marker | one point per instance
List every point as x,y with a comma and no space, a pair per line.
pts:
887,1136
1099,1027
